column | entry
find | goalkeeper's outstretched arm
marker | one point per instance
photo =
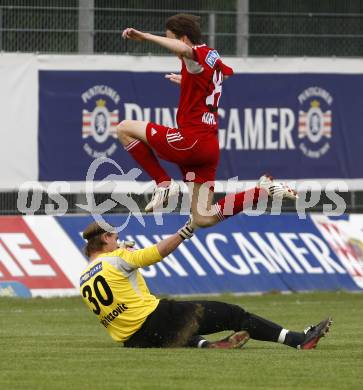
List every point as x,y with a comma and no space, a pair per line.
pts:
147,256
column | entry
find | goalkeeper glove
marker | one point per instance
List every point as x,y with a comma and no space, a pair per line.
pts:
187,230
126,244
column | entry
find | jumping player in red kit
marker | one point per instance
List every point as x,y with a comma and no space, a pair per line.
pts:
193,145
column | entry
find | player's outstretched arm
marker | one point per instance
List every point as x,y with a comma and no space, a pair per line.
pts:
168,245
155,253
174,45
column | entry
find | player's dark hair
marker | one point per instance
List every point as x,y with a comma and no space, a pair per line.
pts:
185,24
93,235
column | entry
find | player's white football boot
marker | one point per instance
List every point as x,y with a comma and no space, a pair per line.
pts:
161,196
276,189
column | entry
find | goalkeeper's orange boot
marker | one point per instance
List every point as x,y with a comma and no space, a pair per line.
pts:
235,340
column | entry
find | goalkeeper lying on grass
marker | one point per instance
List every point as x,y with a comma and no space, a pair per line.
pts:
113,288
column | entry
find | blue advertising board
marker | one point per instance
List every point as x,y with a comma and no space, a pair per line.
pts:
245,254
295,126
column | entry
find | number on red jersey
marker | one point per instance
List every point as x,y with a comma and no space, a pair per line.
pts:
212,100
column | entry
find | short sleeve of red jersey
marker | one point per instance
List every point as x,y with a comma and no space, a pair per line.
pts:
210,59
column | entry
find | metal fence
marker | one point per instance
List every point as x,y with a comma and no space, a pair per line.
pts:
234,27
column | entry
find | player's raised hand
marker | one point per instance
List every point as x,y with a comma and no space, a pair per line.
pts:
131,33
175,78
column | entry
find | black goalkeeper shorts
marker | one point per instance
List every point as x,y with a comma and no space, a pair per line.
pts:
178,323
171,324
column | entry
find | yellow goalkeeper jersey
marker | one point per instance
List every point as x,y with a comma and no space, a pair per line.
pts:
113,288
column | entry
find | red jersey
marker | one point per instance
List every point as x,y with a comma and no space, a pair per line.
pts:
201,89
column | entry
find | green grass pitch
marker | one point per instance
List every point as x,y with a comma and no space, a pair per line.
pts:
59,344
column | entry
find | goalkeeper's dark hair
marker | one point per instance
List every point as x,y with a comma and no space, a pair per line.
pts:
185,24
93,235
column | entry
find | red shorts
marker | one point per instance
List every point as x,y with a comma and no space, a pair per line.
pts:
193,152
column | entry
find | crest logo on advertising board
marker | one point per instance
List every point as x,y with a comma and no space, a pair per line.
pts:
99,121
315,122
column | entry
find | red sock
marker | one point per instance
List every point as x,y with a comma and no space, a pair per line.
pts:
233,204
146,158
